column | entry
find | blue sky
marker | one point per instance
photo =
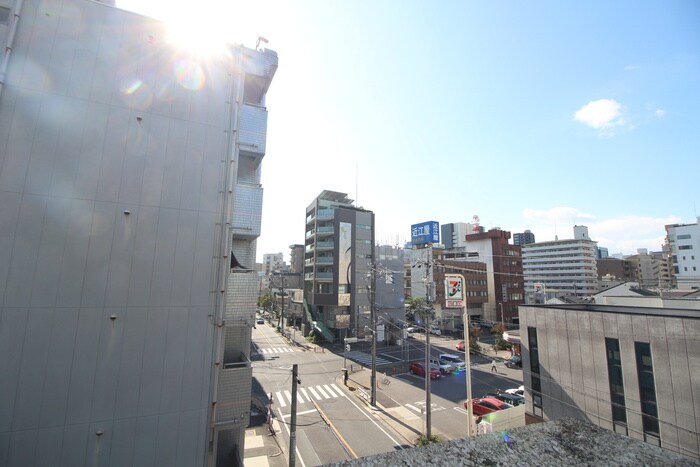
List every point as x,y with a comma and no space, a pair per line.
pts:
532,115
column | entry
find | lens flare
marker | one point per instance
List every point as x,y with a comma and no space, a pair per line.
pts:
189,74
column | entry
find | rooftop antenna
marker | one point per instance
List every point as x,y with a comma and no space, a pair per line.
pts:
260,39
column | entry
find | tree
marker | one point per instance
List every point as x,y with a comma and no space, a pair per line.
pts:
412,306
265,301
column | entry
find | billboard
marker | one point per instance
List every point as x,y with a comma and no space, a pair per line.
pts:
454,291
425,232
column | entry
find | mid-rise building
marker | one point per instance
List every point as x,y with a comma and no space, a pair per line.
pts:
683,242
453,235
389,299
273,262
646,268
339,253
629,369
561,267
603,252
130,204
523,238
504,273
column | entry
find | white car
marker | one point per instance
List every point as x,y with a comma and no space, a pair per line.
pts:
435,330
520,391
453,360
444,367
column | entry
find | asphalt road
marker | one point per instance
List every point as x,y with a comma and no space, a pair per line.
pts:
331,425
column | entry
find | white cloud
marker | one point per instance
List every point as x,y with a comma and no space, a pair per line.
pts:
631,67
603,114
660,113
623,234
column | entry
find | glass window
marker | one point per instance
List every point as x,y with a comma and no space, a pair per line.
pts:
647,389
617,390
4,15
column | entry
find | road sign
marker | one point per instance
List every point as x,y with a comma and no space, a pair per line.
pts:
350,340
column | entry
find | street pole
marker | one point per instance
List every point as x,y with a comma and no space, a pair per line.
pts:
461,293
293,419
373,324
502,323
428,389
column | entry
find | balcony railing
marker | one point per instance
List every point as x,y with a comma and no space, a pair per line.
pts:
324,245
252,131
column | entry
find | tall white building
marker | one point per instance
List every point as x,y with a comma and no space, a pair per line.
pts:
561,267
683,241
130,205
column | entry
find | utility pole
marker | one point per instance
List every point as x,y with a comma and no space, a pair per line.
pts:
373,323
293,419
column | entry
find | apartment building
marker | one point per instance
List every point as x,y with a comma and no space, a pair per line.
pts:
339,253
273,262
130,202
561,267
629,369
523,238
683,241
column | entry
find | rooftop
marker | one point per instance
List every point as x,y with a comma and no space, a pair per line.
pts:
566,442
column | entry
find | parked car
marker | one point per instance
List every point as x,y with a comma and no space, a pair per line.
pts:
456,362
513,399
409,332
445,368
460,346
435,330
260,321
485,405
416,368
516,361
520,391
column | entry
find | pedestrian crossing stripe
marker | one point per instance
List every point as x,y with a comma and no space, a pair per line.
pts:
365,358
275,350
318,392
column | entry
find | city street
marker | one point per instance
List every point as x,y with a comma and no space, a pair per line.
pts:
336,423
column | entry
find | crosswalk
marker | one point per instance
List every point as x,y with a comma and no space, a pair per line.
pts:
319,392
273,350
364,358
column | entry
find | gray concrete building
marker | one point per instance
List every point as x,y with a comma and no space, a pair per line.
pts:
339,250
130,203
629,369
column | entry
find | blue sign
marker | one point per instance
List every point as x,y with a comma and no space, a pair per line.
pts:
425,232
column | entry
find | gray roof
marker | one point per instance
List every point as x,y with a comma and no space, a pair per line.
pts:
566,442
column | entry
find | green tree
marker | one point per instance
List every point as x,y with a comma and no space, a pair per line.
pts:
412,306
265,301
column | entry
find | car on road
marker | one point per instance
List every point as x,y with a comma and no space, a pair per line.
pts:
416,368
460,346
260,321
516,361
485,405
435,330
445,368
456,362
520,391
512,399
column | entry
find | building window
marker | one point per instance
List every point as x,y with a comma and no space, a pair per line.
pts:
535,372
683,237
617,389
647,392
685,247
4,15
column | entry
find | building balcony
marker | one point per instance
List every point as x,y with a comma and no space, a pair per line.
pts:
309,248
234,391
324,260
324,276
325,231
326,214
241,297
247,211
310,219
324,246
252,130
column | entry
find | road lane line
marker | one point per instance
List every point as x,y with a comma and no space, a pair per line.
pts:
414,408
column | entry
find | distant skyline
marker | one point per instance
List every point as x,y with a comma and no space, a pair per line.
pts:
539,115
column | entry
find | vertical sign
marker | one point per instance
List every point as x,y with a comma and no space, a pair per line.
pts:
454,291
344,263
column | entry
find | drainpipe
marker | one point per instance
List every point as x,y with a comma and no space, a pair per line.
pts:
9,44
